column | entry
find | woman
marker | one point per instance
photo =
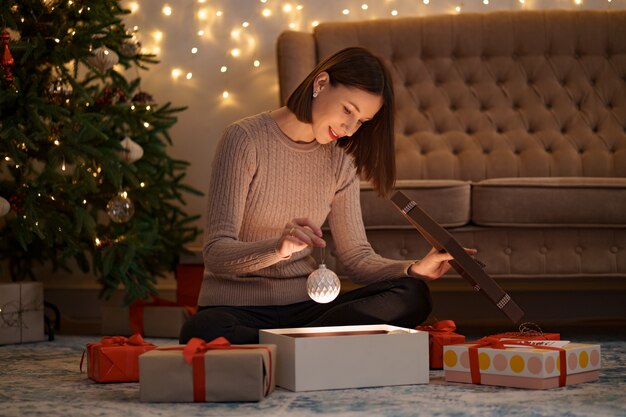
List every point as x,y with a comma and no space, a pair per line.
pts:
276,178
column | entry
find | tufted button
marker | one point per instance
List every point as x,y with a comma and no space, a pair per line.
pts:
543,250
404,252
507,251
614,249
578,249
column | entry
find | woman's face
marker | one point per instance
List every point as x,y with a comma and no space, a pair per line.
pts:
339,110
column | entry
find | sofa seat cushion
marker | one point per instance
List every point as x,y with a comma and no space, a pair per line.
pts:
446,201
558,202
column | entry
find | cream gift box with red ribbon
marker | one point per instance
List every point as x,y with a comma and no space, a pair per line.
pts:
521,364
21,313
207,372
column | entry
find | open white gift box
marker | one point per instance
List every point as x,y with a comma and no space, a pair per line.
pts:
320,358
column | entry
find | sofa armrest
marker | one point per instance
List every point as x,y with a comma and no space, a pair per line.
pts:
296,56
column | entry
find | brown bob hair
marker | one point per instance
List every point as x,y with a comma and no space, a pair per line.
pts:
372,145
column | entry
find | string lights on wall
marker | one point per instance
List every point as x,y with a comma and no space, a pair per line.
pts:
242,41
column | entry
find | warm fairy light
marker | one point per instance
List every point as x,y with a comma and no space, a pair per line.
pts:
157,35
142,184
134,6
426,1
394,12
200,33
63,166
264,1
578,2
346,11
189,75
315,23
364,6
257,63
522,1
245,24
234,33
235,52
485,2
266,12
224,68
225,94
146,125
148,107
57,40
299,7
287,8
132,107
97,241
176,73
219,13
56,142
194,50
84,202
292,25
203,14
458,9
167,10
201,1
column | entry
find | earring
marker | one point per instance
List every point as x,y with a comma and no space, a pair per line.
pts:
315,93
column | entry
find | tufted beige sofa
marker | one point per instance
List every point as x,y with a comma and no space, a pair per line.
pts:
510,132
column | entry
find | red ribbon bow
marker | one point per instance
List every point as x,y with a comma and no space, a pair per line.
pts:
136,340
496,343
443,326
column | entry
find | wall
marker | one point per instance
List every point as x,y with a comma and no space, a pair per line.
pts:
218,28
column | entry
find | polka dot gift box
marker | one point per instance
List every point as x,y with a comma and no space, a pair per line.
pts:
489,362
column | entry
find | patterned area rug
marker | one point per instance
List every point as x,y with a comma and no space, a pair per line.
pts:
43,379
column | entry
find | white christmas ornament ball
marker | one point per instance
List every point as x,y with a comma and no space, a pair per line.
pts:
5,206
323,285
132,151
103,58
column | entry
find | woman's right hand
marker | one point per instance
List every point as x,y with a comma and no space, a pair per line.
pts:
297,235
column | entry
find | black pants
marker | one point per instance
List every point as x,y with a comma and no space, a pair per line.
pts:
404,302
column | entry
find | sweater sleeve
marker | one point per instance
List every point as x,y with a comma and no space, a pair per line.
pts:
362,264
233,170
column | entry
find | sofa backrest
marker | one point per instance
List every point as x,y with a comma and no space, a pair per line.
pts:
504,94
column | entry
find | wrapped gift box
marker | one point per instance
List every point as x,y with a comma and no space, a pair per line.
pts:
440,334
320,358
153,321
21,313
199,372
115,358
522,366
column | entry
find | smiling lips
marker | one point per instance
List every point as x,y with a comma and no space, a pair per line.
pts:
333,135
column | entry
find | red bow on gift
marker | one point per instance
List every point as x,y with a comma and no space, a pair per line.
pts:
440,326
136,340
496,343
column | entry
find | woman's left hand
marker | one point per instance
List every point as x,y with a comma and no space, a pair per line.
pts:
434,264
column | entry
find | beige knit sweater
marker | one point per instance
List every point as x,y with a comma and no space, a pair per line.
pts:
260,181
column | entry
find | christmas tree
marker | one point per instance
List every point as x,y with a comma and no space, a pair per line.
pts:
84,169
